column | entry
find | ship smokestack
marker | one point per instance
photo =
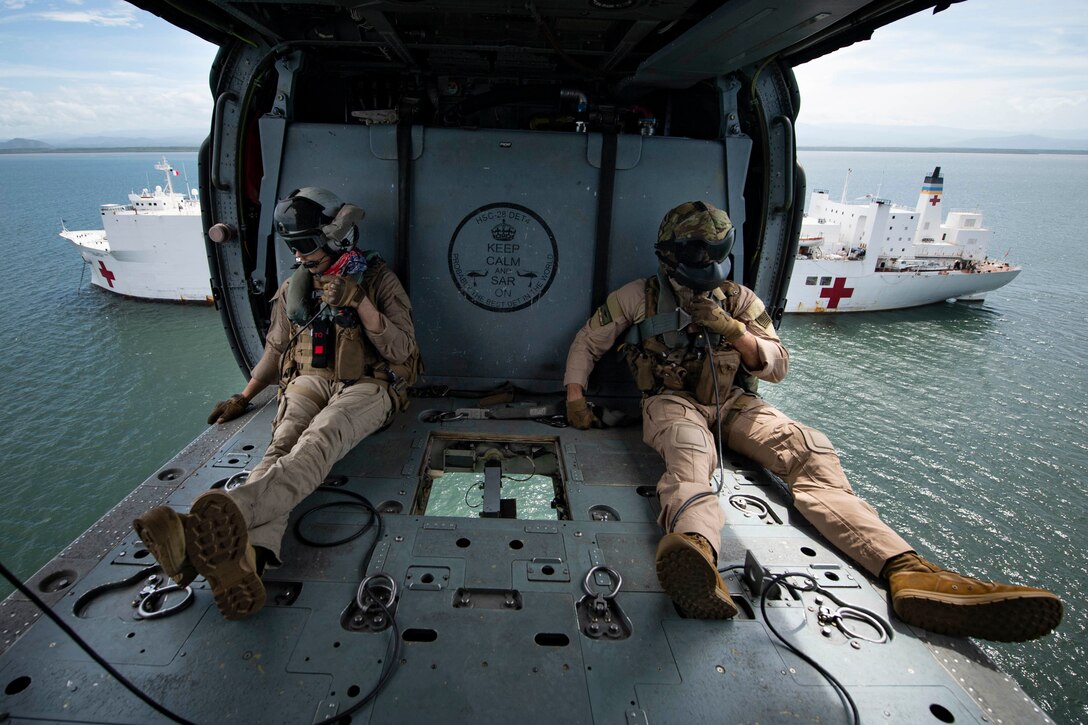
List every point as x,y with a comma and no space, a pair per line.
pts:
929,208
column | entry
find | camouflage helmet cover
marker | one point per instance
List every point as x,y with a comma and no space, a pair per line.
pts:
694,220
693,244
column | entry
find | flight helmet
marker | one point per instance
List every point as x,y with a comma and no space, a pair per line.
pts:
693,244
306,221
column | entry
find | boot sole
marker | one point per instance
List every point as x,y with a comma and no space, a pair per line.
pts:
161,530
1013,617
217,542
692,583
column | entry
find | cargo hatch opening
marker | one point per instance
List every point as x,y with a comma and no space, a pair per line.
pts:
492,477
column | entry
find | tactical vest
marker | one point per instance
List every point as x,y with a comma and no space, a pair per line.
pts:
353,356
664,356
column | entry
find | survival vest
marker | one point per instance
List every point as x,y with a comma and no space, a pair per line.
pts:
337,347
664,355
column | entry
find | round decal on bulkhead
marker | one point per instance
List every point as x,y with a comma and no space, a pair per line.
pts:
503,257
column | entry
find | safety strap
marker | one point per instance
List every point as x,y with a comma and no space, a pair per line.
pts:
605,191
550,413
404,199
668,321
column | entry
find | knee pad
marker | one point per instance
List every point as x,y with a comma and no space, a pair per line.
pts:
813,453
689,436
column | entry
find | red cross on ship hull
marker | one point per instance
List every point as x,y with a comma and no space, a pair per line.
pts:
836,292
106,274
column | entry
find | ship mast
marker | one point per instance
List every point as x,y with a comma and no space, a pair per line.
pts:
166,168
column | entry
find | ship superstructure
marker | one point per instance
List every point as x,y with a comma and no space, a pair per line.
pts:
151,248
514,162
879,256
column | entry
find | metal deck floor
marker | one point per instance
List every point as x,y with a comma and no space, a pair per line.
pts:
488,610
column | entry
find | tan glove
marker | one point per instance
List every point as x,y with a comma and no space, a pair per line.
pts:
340,291
709,314
581,416
230,409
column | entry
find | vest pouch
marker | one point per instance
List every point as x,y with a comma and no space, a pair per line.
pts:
723,365
350,362
642,369
398,377
673,376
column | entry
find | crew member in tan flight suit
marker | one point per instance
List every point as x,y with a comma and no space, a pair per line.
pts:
695,344
342,348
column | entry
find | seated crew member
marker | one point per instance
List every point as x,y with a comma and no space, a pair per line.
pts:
695,344
342,347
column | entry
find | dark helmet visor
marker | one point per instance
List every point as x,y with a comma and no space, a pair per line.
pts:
703,252
298,221
303,241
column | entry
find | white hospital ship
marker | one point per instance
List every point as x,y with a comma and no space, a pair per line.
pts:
151,248
878,256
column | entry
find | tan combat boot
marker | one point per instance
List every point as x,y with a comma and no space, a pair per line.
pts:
162,529
687,568
218,547
926,596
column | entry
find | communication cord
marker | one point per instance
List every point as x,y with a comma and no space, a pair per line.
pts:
287,347
48,612
782,579
368,591
721,466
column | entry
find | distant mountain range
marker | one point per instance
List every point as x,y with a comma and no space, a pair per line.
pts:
808,135
21,144
873,136
100,142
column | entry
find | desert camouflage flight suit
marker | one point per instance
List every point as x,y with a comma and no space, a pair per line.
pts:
680,411
321,417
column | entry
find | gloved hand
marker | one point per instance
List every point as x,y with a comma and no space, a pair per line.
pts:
340,291
709,314
230,409
581,416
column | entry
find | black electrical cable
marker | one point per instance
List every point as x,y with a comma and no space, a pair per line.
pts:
391,660
478,484
287,347
782,578
47,611
721,466
393,650
362,502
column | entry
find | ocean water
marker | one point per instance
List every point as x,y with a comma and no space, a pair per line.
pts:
98,391
964,425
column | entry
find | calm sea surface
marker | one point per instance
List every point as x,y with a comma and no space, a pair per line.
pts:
966,426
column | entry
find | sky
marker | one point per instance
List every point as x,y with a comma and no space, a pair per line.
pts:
73,68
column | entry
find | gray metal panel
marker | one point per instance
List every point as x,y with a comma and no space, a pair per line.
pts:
670,171
497,295
526,663
358,164
739,33
484,266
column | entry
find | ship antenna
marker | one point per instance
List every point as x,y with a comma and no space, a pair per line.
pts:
845,183
185,176
165,168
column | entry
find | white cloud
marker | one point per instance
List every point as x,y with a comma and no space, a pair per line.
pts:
100,108
94,18
999,66
118,14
